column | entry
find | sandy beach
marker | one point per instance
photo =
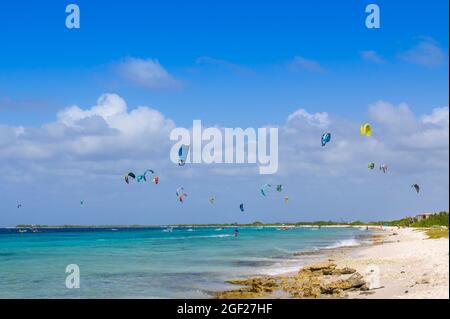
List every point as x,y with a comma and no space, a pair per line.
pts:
400,263
408,264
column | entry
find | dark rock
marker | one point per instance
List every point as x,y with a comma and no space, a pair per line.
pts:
321,266
310,282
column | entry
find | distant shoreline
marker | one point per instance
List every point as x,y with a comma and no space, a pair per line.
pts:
195,226
425,220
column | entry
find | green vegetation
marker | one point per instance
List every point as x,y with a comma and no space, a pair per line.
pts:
440,219
437,219
320,223
434,233
404,222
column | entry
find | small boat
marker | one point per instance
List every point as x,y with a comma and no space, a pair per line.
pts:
22,230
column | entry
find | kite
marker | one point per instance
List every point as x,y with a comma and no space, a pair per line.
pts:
384,168
155,179
366,130
182,154
416,187
371,165
241,207
286,199
181,194
128,176
279,188
148,171
326,138
212,199
265,189
143,177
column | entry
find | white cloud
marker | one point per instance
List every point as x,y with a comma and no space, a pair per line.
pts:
372,56
320,120
86,151
426,53
112,109
108,105
405,132
434,133
394,118
439,117
147,73
110,132
106,130
233,67
400,138
301,63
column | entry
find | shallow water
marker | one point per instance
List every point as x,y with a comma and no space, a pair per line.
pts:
151,263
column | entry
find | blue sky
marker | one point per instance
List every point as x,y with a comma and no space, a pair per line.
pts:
230,64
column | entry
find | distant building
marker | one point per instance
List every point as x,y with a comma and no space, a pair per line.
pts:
421,217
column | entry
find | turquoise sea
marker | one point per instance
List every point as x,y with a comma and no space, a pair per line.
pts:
153,263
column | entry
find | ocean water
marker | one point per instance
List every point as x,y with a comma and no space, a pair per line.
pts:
152,263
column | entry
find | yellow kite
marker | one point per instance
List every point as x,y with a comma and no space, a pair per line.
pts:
365,130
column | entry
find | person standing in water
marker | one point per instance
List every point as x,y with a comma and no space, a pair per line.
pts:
236,232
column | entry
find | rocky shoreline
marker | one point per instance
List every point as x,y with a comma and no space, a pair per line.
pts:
398,263
315,281
319,280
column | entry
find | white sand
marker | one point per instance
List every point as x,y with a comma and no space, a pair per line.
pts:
405,265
